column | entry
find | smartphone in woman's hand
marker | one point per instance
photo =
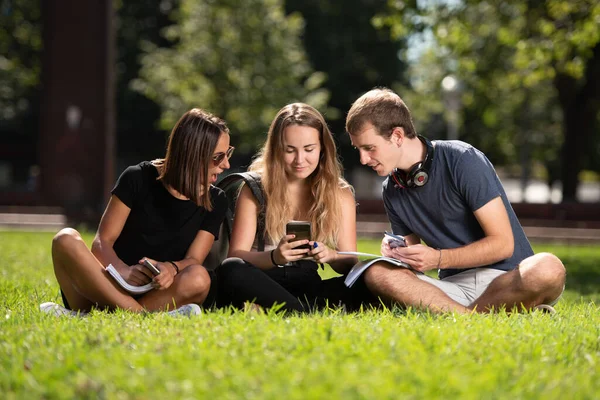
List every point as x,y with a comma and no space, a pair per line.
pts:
302,231
150,266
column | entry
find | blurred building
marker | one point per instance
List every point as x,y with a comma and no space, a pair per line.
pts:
71,164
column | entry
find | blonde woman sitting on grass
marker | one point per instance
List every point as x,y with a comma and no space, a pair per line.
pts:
301,179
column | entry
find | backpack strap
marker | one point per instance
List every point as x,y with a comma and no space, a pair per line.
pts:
232,182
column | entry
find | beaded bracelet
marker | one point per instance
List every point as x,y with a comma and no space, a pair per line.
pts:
176,267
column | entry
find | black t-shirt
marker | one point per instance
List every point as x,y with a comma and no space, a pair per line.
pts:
159,225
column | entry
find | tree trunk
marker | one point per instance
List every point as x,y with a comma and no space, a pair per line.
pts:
580,102
572,152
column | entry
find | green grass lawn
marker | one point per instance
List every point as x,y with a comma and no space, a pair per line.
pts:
228,355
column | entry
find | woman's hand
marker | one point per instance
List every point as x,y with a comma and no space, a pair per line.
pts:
136,274
321,253
166,277
287,250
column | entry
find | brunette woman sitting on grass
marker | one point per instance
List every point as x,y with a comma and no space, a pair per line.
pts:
165,211
301,179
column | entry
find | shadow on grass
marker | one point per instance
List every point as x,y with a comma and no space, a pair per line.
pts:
582,264
583,275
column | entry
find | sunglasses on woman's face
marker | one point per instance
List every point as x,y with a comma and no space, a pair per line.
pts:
219,157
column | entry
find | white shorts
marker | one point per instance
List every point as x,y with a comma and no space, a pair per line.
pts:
465,286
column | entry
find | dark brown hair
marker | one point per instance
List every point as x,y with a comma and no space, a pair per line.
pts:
189,155
384,109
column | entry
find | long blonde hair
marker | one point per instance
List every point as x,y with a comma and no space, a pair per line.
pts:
326,181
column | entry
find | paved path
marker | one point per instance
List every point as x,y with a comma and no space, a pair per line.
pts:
367,226
32,222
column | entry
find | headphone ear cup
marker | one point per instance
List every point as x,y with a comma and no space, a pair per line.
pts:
420,178
418,175
410,177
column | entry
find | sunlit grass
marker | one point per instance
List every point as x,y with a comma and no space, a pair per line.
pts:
329,355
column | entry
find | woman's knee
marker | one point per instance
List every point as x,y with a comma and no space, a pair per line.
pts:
195,281
233,269
65,240
232,263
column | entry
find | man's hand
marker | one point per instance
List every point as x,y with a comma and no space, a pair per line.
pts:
386,250
421,258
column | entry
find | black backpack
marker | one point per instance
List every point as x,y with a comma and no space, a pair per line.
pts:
231,186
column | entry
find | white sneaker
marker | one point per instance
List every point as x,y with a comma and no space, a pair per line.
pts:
188,310
545,308
59,311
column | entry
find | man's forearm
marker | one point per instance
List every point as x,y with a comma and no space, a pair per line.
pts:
486,251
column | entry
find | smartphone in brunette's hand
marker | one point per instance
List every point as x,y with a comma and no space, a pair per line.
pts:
302,231
151,267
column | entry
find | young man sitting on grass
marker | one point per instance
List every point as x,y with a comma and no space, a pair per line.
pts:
447,194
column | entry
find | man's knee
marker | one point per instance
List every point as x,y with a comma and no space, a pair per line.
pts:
555,266
65,239
549,269
545,275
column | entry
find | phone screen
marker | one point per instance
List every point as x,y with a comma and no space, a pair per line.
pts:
301,229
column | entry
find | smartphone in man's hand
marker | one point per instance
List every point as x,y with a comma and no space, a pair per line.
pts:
395,240
302,231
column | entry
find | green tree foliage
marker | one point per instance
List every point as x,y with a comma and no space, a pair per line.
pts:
20,89
530,72
342,41
136,22
20,61
240,60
